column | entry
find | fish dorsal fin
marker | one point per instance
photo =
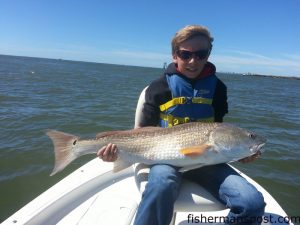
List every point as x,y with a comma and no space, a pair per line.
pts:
147,129
120,165
108,133
195,151
133,131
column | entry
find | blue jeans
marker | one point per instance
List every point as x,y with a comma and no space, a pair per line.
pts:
156,207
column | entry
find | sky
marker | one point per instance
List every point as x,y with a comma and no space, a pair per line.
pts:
250,36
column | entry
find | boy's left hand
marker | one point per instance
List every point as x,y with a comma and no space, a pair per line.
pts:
250,158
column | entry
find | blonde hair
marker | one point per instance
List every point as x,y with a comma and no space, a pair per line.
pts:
190,32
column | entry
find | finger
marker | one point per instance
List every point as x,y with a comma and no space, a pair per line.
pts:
101,151
115,152
107,150
108,153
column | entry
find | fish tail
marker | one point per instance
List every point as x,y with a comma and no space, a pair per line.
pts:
63,149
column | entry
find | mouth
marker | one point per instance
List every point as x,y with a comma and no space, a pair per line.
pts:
191,69
257,148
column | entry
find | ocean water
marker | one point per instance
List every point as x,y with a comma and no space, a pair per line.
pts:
86,98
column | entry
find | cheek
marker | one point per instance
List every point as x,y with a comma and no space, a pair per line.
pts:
201,65
181,67
178,62
175,59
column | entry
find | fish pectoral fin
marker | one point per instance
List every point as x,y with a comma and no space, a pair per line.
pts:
120,165
195,151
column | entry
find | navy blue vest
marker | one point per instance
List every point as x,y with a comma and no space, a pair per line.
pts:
196,105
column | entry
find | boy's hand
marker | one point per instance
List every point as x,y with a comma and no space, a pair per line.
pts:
108,153
250,158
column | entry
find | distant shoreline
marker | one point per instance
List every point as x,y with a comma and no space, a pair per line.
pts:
273,76
225,73
260,75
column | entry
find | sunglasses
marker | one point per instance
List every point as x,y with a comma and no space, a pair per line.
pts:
187,55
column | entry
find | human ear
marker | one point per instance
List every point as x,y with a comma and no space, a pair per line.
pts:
175,58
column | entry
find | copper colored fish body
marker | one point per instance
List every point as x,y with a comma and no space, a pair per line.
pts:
187,146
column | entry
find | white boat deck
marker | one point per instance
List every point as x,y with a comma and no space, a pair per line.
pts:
94,195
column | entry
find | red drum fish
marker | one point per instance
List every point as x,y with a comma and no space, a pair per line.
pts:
188,146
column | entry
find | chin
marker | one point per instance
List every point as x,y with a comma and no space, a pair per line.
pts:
191,75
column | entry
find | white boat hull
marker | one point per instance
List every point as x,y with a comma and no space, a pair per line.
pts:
94,195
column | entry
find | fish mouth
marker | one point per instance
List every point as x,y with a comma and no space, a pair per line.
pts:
257,148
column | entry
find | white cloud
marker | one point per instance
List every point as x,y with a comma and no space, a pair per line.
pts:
250,54
241,61
295,57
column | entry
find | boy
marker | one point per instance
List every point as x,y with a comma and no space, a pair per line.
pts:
190,91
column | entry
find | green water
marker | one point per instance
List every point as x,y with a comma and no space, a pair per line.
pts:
86,98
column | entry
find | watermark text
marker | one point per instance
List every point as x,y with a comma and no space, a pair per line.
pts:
191,218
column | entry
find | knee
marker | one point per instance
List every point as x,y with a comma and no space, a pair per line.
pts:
254,203
242,197
164,187
163,181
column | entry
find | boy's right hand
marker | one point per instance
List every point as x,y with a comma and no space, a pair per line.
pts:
108,153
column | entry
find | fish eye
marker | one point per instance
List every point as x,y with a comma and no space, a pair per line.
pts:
251,135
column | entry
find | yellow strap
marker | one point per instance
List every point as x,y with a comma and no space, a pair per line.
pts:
173,121
174,101
182,100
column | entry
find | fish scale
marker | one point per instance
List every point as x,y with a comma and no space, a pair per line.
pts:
187,145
